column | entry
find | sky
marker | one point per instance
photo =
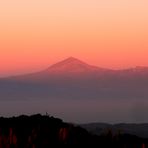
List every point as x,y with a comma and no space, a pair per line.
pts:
37,33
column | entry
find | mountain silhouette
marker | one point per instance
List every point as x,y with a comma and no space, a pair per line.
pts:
70,67
74,66
69,63
75,83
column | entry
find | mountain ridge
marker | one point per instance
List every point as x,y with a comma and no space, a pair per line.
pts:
138,129
121,93
73,68
76,66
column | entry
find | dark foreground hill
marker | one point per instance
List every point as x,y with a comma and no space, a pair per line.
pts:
39,131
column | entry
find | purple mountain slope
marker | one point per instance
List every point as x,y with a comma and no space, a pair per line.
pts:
73,83
72,67
69,68
75,79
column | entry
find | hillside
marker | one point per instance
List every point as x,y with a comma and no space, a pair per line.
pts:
38,131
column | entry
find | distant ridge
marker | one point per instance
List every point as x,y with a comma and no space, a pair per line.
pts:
97,90
139,129
73,65
70,60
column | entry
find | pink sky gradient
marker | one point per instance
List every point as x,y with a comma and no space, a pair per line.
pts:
37,33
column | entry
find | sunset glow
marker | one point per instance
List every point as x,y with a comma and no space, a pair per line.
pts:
37,33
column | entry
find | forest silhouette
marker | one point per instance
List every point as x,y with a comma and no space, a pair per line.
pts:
44,131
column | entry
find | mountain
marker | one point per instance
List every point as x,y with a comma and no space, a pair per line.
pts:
70,84
76,68
44,131
70,67
73,78
140,130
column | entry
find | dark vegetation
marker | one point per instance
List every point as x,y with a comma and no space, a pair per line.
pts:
43,131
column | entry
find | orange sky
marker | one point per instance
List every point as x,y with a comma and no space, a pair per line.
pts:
107,33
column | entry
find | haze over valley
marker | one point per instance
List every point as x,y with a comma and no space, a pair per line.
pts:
78,92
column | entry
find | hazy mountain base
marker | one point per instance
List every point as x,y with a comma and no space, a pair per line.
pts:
43,132
79,92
